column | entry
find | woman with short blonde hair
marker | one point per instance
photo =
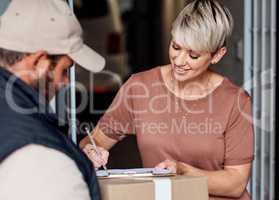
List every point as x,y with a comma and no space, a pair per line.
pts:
203,26
185,116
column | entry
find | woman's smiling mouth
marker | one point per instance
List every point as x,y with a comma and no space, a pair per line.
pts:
180,70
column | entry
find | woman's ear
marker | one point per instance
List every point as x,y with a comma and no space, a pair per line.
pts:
218,55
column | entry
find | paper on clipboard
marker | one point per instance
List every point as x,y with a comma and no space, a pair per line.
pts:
137,172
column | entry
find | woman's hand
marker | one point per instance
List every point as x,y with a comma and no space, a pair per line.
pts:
175,166
98,159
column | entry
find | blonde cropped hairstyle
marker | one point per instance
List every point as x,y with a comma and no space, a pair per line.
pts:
203,25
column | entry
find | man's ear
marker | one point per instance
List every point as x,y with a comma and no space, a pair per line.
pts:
39,63
218,55
33,58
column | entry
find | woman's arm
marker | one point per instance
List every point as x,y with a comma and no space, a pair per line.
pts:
100,138
229,182
103,142
117,120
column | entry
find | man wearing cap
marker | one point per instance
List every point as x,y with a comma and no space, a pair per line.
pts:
39,41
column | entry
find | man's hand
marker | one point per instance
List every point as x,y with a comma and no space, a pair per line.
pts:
98,159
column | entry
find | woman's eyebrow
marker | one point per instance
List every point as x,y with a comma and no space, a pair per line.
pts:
189,50
176,43
194,52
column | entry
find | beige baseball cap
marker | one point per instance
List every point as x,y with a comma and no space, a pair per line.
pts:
50,25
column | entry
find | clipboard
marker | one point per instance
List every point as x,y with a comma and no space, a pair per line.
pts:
135,172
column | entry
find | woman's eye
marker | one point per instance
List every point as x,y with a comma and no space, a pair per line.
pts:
175,47
194,56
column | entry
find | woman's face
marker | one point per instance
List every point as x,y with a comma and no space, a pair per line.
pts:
187,64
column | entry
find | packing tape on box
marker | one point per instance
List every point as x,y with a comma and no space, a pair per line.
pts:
163,189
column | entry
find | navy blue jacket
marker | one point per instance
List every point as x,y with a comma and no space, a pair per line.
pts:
24,120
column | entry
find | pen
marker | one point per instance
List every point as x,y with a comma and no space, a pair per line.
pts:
94,145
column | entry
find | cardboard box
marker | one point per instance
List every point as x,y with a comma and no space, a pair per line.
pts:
155,188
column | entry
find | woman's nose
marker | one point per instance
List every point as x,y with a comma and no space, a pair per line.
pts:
181,59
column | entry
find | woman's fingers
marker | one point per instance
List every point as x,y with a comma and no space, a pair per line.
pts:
101,158
97,160
161,165
168,164
98,156
104,154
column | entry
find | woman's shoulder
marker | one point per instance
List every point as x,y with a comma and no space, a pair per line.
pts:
147,77
232,91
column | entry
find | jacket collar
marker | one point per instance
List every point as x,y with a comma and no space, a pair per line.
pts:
23,97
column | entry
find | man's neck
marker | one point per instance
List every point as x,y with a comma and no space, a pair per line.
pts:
23,73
